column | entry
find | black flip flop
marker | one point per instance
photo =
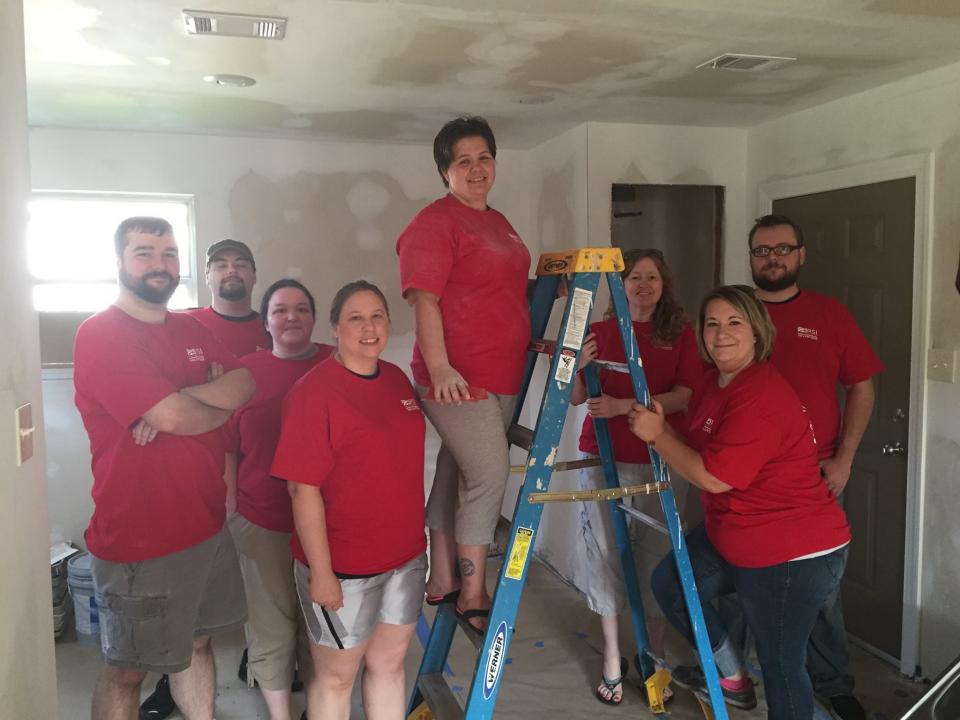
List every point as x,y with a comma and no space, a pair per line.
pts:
434,600
467,615
611,685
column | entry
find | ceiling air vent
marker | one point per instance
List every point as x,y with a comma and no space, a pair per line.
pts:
200,22
742,62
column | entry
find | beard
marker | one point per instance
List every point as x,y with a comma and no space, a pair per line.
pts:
233,289
788,279
156,295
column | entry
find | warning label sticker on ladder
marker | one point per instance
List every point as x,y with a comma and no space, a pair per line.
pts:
579,317
518,555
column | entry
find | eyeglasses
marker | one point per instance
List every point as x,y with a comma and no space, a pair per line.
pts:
761,251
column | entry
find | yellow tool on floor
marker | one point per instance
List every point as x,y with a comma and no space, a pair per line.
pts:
422,712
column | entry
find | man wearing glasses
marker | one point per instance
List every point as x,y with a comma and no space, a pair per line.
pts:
818,345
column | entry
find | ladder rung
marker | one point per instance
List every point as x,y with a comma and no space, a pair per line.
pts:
439,697
647,520
520,436
599,494
548,347
563,465
471,632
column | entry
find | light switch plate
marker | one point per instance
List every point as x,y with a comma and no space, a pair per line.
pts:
25,431
942,365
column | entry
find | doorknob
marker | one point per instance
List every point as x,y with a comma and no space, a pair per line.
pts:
895,449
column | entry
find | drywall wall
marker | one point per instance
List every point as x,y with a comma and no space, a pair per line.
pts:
907,117
325,213
27,673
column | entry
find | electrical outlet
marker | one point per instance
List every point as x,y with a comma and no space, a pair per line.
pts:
25,431
942,365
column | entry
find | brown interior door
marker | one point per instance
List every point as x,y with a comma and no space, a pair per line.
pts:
860,250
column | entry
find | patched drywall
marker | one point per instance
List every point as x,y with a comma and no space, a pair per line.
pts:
907,117
326,230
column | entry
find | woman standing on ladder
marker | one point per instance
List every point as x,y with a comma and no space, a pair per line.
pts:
672,365
463,269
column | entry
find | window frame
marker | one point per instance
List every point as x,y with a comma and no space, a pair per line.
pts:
189,275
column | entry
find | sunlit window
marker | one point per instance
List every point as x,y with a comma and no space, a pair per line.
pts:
70,246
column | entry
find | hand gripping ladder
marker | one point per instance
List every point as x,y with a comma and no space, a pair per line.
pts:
431,697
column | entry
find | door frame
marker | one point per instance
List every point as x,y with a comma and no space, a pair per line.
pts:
919,166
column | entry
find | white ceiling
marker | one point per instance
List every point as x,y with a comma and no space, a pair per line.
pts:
394,70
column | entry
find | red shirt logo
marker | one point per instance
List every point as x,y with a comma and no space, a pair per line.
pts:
195,355
411,405
807,333
708,426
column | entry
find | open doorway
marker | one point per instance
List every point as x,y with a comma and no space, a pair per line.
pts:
685,222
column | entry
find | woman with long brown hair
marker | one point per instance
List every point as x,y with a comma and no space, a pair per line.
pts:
672,366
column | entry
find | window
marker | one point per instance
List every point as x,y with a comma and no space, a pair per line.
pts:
70,250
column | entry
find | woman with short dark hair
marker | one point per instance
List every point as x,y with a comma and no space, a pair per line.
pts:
263,521
772,532
463,269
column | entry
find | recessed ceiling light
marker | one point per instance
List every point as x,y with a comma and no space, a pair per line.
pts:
226,80
742,62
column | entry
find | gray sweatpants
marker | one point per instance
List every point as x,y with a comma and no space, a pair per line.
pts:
472,466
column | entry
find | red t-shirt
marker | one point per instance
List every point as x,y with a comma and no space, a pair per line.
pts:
755,436
241,336
819,345
360,440
167,495
253,431
474,261
665,366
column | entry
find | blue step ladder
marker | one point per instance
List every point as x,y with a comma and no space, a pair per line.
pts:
432,698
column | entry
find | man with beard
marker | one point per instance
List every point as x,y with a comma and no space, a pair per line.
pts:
153,389
231,274
818,345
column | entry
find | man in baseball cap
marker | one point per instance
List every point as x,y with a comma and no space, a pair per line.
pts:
231,274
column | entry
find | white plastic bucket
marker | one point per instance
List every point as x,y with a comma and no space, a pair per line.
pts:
80,581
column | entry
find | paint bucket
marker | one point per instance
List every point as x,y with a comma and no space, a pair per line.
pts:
80,581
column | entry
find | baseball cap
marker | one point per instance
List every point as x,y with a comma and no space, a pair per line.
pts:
232,245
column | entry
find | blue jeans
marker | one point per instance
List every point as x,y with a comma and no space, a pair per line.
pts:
780,603
828,653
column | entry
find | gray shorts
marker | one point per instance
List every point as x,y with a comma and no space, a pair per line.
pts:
394,597
150,611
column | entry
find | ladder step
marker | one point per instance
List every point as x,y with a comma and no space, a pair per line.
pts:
520,436
600,494
439,697
563,465
470,632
